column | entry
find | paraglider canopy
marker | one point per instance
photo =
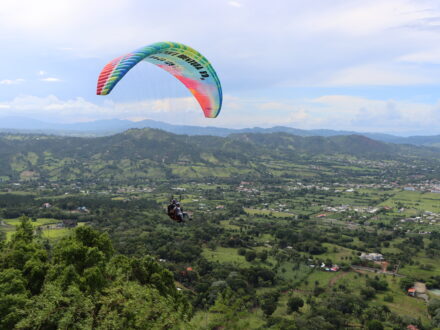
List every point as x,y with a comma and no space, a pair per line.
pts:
183,62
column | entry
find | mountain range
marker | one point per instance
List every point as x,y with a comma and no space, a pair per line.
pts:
114,126
139,154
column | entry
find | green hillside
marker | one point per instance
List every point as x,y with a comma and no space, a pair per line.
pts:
156,155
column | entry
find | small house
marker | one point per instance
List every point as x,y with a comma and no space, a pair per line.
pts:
335,268
372,256
412,327
83,209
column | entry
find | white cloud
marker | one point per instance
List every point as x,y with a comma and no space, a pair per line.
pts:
331,43
275,105
11,81
363,114
378,75
79,109
362,18
340,112
235,4
51,79
429,56
42,73
49,106
180,105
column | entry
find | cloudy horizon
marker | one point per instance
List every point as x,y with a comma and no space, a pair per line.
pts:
367,66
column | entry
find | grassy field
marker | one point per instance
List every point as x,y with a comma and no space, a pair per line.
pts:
223,255
402,304
416,272
226,224
230,255
293,272
39,222
317,276
56,234
254,320
275,214
11,224
336,253
415,200
51,233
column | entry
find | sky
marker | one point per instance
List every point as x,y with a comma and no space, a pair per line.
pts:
361,65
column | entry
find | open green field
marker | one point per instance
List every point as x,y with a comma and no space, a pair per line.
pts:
336,253
39,222
51,233
11,224
223,255
205,320
402,304
294,273
318,277
415,200
230,255
415,270
56,234
227,224
275,214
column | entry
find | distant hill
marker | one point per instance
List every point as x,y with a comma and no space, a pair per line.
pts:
140,154
114,126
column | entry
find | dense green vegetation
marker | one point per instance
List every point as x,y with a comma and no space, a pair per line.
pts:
80,283
148,154
271,216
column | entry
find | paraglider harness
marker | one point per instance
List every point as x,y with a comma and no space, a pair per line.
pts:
175,211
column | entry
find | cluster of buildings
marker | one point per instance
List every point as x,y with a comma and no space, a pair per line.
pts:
79,209
246,187
428,186
427,218
333,268
131,189
372,256
360,209
324,267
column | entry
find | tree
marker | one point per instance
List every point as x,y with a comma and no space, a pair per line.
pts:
25,231
374,325
262,255
377,284
250,256
227,310
269,302
268,306
294,304
434,311
368,293
13,297
434,306
406,283
84,285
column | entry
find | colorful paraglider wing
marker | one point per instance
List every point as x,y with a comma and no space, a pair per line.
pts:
183,62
